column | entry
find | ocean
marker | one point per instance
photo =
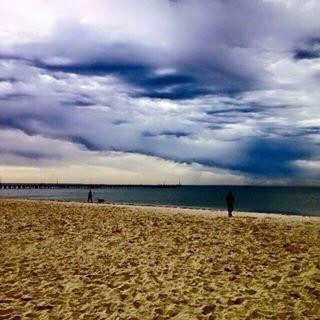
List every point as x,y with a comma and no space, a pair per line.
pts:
286,200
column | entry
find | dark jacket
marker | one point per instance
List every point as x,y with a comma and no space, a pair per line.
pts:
230,198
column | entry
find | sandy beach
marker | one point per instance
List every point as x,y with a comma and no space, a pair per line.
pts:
62,260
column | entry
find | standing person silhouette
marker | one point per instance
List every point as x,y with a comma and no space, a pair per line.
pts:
90,196
230,202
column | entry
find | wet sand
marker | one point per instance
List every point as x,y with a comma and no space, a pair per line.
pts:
84,261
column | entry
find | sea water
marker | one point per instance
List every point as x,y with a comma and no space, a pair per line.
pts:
287,200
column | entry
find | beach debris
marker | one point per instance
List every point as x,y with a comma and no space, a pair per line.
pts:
44,306
26,298
116,229
295,295
237,300
208,309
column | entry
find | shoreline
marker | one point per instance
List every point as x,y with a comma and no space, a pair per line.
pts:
208,212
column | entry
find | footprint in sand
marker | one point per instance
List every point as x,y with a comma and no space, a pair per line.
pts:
44,306
6,313
236,301
250,291
158,311
13,293
276,278
137,304
208,309
32,315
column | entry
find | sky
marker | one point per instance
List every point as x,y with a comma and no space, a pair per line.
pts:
153,91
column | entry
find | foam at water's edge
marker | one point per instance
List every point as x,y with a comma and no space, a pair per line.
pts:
180,209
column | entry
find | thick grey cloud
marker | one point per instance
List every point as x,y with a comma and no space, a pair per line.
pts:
225,84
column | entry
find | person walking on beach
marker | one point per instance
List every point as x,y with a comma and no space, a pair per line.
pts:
90,196
230,202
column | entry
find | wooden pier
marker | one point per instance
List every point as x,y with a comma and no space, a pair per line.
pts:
83,186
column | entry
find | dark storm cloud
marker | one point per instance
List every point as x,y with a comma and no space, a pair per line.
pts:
306,54
177,134
187,84
214,56
84,143
119,122
179,93
268,157
229,68
10,123
9,79
28,155
289,131
44,122
310,50
97,68
273,157
168,80
5,56
79,102
245,110
173,87
15,96
234,110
